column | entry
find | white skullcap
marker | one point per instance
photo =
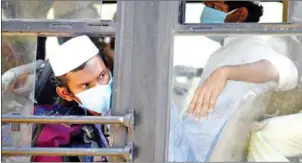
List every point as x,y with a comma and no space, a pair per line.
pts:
72,54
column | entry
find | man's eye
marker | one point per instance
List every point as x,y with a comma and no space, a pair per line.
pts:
86,85
102,75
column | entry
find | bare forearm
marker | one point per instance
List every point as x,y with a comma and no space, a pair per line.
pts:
256,72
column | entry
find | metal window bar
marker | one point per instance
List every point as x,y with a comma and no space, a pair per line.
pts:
182,12
126,152
11,151
58,27
239,28
127,120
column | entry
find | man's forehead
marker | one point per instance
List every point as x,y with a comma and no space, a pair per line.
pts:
91,70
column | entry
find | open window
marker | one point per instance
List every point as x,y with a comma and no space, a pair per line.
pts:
196,55
30,31
271,11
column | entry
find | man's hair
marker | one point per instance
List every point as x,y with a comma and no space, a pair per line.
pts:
255,11
62,81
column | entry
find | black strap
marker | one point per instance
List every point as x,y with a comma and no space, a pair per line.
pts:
44,76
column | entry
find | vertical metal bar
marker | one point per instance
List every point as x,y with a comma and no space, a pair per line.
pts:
101,3
182,12
142,74
285,11
122,65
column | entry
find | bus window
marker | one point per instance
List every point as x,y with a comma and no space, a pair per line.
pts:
18,64
271,12
53,9
219,94
29,86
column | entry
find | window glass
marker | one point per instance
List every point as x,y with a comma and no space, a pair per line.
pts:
18,67
53,9
272,12
214,64
297,12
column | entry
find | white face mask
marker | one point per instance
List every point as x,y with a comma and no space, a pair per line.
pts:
98,98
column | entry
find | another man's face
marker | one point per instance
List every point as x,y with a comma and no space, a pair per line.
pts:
239,15
94,73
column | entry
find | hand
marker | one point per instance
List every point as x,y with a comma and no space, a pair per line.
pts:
24,84
205,96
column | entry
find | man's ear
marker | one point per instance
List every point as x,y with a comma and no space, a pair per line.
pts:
64,93
241,14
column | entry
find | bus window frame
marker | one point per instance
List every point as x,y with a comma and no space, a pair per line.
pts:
132,73
286,15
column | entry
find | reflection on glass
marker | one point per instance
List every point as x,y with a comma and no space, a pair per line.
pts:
18,66
233,12
233,84
50,9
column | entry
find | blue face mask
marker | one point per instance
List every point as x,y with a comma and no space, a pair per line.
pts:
98,98
210,15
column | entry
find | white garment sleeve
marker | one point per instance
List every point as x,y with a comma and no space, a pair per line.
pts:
281,137
288,72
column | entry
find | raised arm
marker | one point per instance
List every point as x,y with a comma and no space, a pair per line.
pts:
256,68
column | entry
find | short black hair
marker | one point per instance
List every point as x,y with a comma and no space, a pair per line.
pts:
255,10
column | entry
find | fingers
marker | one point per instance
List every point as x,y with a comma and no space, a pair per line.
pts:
203,102
206,104
213,100
198,108
200,103
193,102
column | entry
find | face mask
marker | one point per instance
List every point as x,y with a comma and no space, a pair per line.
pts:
210,15
98,98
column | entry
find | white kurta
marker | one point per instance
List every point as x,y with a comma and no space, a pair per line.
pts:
281,137
192,141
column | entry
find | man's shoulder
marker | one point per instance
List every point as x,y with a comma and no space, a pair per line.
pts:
246,40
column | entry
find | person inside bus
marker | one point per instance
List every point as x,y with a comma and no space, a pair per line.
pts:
243,64
84,75
84,83
231,12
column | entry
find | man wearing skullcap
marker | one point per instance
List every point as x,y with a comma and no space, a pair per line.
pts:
82,75
82,78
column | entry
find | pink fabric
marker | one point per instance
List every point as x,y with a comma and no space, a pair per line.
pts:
53,135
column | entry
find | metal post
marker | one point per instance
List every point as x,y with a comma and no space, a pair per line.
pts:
142,74
126,120
11,151
285,11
